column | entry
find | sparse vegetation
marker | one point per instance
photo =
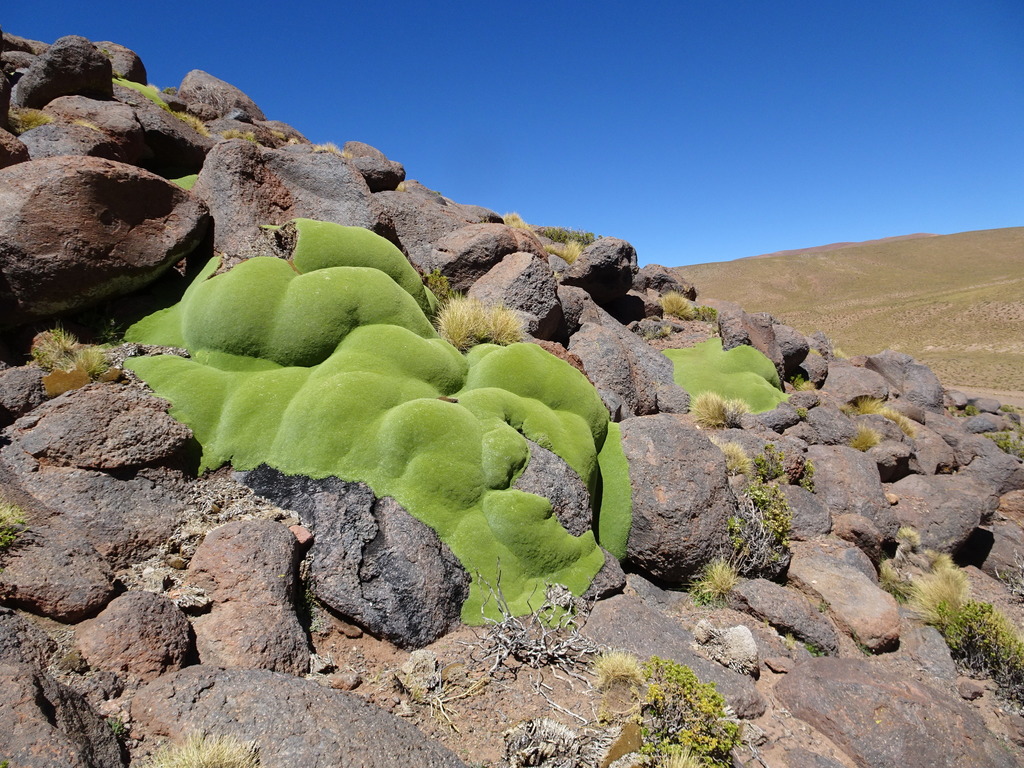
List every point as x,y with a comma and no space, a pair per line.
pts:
891,580
971,410
768,465
199,751
938,595
737,462
866,438
328,146
682,759
759,532
801,384
679,713
465,322
439,286
716,580
872,405
568,252
706,314
566,236
83,123
12,524
712,411
1009,441
234,133
677,305
22,119
68,363
513,219
194,122
617,668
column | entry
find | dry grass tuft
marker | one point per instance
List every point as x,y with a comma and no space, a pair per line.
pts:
465,322
909,537
194,122
234,133
54,349
618,668
206,752
939,594
513,219
712,411
677,305
737,462
872,405
866,438
684,759
21,120
891,580
568,252
329,146
717,579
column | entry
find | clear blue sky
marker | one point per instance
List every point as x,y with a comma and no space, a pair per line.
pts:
697,130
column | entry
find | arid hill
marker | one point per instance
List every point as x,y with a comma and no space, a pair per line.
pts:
954,302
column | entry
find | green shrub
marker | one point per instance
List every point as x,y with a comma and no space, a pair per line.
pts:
768,465
206,752
1011,442
866,438
675,304
12,524
439,286
971,410
759,532
706,314
565,236
801,413
716,580
681,713
807,478
984,642
54,349
465,322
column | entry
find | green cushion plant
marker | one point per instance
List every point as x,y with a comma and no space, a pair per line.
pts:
741,373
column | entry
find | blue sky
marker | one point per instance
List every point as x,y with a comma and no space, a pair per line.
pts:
698,131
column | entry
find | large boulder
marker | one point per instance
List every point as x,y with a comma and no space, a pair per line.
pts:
44,724
75,231
72,65
12,149
293,721
605,269
794,348
421,217
548,475
140,634
380,173
738,328
913,381
526,284
172,146
881,718
634,624
846,383
22,642
632,377
249,569
847,481
469,253
203,89
786,610
840,579
247,186
125,62
108,129
21,390
371,560
680,496
944,509
654,277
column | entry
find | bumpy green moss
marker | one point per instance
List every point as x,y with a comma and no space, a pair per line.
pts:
616,513
327,365
741,372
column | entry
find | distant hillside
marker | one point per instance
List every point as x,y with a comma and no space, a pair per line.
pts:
955,302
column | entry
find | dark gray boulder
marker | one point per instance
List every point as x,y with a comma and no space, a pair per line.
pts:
794,348
549,476
654,277
295,722
847,481
605,269
171,145
380,173
944,509
810,514
526,284
124,62
470,252
830,425
22,642
681,497
72,65
21,390
912,380
202,88
371,560
737,328
846,383
117,134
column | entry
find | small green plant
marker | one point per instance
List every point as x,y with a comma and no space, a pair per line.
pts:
807,478
234,133
617,668
680,713
514,220
199,751
801,384
866,438
682,759
68,363
801,413
706,314
759,532
565,236
465,322
716,580
712,411
54,349
1011,442
12,524
118,728
971,410
675,304
23,119
768,465
439,286
985,642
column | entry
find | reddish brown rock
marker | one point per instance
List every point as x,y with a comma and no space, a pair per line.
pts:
116,133
249,569
140,634
72,65
21,390
845,590
202,88
605,269
524,283
125,62
102,426
77,230
881,719
468,253
12,150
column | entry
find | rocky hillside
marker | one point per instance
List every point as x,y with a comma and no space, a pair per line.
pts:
304,464
951,301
